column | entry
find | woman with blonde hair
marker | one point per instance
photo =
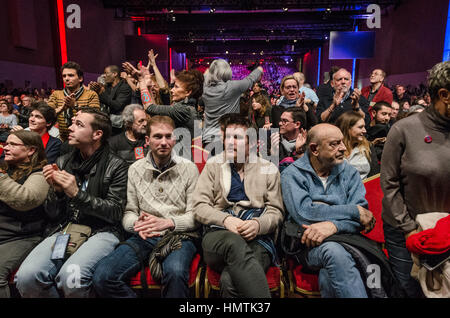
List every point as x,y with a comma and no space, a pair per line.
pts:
23,192
360,153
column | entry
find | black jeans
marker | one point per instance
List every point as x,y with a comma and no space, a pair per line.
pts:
401,261
242,264
12,255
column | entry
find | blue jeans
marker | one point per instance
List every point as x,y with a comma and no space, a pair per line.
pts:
114,272
338,276
401,261
39,276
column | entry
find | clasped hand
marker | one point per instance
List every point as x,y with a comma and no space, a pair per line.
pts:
248,229
149,225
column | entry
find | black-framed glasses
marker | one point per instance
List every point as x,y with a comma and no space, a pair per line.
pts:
285,121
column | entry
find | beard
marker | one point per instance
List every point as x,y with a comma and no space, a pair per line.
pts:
139,134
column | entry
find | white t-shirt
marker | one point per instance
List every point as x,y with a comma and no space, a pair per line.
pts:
324,181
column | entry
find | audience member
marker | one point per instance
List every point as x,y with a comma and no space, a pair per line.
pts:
377,92
238,199
66,102
42,119
415,174
259,113
23,192
291,97
114,96
359,152
221,95
290,141
334,205
159,215
310,95
394,113
343,99
131,145
88,187
7,119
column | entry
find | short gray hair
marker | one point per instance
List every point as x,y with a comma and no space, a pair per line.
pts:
415,108
128,114
219,71
439,77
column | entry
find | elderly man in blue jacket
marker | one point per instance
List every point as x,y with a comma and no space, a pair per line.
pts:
325,195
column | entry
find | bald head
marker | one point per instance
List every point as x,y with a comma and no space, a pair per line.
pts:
320,132
325,146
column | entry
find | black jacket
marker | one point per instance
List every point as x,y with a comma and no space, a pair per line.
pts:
128,150
100,213
116,98
326,100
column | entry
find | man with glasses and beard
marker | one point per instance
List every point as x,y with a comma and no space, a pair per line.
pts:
131,144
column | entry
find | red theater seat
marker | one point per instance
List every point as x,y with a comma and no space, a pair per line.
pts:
194,277
274,278
199,156
306,283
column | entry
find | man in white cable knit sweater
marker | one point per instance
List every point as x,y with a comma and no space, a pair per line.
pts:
159,201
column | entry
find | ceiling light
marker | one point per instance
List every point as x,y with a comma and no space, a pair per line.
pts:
212,10
285,9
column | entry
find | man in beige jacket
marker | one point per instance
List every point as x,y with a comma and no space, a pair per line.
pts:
238,199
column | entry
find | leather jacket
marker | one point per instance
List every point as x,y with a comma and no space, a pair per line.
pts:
102,214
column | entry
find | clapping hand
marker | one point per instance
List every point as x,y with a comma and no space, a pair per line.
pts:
69,101
300,140
96,87
355,98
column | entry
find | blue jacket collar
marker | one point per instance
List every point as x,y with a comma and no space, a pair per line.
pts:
305,164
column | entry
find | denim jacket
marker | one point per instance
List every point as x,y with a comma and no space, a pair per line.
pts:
307,201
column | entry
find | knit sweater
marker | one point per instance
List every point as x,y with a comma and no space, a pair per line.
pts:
88,98
168,195
262,187
415,174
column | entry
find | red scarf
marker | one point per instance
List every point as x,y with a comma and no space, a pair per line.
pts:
45,137
432,241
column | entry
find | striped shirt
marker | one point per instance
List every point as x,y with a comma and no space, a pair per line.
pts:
88,98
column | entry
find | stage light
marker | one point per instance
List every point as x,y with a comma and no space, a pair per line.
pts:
226,52
285,9
212,10
174,19
168,38
295,41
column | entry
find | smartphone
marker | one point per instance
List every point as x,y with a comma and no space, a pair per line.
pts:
59,249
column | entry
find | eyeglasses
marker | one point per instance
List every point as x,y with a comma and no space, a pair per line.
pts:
285,121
